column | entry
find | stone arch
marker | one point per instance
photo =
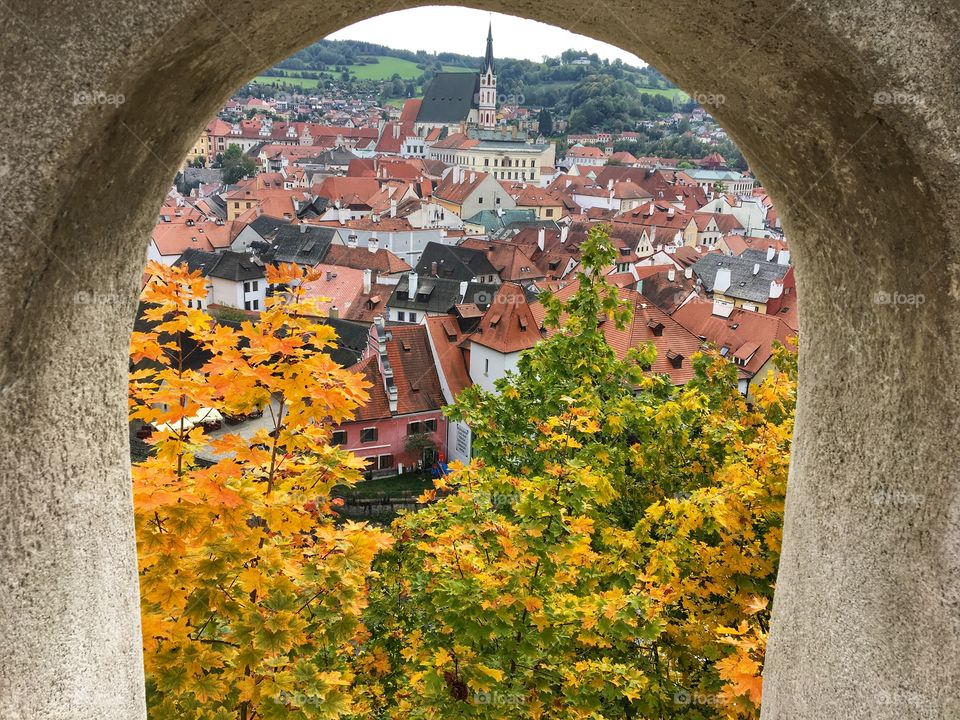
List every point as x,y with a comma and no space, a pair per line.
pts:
847,110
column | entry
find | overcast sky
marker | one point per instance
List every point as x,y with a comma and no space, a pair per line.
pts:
464,30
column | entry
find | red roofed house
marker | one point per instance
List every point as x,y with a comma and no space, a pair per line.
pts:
742,336
580,155
451,355
405,400
507,328
674,343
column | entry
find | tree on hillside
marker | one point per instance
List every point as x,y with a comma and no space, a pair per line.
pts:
251,596
236,165
610,550
545,123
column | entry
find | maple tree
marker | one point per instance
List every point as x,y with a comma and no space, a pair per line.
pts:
251,594
610,551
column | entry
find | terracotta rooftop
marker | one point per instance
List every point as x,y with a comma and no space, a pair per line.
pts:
508,325
674,343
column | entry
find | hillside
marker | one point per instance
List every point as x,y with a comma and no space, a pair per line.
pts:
590,92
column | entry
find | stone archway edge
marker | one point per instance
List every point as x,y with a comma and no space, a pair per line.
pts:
846,110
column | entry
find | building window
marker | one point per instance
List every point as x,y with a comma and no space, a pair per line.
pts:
430,425
256,285
486,366
401,315
368,435
413,428
385,462
339,437
246,304
256,304
246,287
413,316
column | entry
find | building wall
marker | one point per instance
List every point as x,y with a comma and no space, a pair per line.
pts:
407,245
487,366
392,434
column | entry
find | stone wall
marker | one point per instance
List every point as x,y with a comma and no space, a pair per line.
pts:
847,110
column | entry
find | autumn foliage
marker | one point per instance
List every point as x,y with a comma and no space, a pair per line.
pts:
610,551
251,594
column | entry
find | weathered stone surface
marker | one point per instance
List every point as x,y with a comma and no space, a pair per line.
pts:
847,110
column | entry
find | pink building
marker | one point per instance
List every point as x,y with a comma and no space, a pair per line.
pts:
405,401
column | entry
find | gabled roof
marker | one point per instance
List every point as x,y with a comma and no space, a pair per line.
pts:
437,296
453,262
449,97
228,265
414,375
457,192
511,262
383,262
508,325
175,238
445,338
301,244
744,334
674,343
749,280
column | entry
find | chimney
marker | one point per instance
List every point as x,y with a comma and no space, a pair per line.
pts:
771,253
563,233
671,274
396,131
392,396
610,184
352,240
303,228
367,275
463,289
334,312
783,258
722,281
412,285
433,268
393,208
670,212
722,309
688,272
776,289
756,268
473,177
373,243
541,238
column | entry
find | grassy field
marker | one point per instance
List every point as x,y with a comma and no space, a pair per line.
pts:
457,68
385,69
674,94
306,83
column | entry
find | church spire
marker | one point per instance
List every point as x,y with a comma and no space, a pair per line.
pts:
488,61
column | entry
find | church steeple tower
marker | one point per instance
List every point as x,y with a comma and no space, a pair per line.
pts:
488,60
487,102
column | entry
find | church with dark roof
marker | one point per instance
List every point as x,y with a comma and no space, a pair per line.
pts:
456,101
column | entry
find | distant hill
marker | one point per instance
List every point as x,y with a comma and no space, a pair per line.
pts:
592,93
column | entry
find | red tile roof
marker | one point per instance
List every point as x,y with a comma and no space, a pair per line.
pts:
508,325
674,343
743,333
446,336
